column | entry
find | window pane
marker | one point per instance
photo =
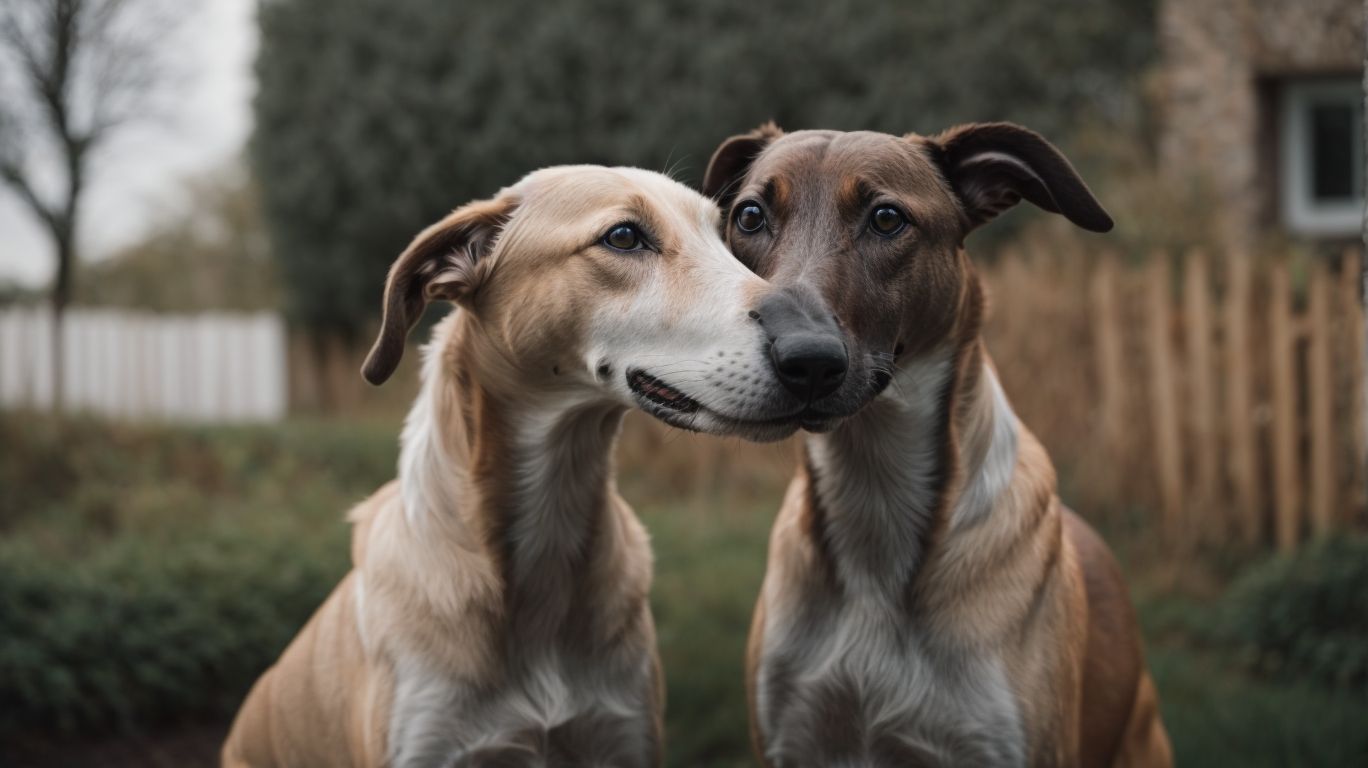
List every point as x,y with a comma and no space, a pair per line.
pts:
1332,152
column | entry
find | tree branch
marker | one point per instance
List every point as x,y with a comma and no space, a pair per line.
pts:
15,179
81,68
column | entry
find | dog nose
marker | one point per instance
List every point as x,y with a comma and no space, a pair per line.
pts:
806,346
810,365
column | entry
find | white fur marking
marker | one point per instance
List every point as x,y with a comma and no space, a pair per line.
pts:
992,477
875,479
916,698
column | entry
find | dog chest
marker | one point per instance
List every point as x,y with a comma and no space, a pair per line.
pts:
864,689
551,713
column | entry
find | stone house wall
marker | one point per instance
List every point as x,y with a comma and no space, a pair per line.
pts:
1222,64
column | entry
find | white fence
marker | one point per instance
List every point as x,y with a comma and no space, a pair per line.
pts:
212,367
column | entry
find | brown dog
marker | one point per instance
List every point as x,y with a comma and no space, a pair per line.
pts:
928,601
496,612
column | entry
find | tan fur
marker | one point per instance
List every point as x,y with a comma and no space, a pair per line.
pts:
497,607
322,703
932,505
440,594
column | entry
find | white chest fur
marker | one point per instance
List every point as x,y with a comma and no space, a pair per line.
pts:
552,712
554,690
849,675
861,688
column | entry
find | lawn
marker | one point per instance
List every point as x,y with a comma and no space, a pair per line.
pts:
143,567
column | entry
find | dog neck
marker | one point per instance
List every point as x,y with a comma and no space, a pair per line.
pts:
520,480
928,459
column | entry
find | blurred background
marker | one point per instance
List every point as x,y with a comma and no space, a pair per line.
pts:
199,200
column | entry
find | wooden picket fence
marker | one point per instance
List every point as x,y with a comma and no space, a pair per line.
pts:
1225,392
1222,395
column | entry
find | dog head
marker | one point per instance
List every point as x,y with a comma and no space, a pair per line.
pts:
597,283
871,228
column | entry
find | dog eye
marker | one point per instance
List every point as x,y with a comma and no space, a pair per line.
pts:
887,221
623,237
749,218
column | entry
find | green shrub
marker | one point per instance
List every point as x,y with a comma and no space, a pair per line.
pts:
148,575
145,633
1217,715
1306,615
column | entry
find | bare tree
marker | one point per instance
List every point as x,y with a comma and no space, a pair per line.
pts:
73,73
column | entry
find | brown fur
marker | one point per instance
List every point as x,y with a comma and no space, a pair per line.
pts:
1027,584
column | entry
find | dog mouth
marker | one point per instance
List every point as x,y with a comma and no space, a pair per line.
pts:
660,393
679,410
826,416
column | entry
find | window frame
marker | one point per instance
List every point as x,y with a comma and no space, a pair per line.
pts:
1302,213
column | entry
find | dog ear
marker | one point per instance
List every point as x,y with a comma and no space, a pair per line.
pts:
992,166
448,260
732,159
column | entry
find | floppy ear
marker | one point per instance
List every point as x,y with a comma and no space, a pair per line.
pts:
992,166
445,261
732,159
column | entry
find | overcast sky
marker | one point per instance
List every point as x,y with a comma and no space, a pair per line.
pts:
138,179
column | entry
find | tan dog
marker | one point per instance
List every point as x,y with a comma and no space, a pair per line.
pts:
928,601
496,612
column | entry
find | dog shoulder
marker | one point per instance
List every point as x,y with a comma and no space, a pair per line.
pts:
363,515
1113,663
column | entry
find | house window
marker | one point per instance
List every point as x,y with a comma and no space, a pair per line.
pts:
1322,156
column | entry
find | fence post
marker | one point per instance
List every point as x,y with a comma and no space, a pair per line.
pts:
1167,446
1286,477
1201,402
1357,432
1111,375
1320,383
1240,433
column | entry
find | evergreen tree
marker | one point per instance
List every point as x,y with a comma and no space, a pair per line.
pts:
374,117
